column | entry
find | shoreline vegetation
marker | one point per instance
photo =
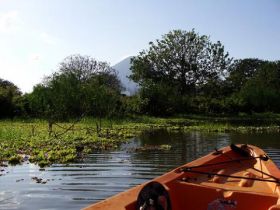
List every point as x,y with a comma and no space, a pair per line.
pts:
83,108
30,140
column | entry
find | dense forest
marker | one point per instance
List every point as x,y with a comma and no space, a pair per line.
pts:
181,73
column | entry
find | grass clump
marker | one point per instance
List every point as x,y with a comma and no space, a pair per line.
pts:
15,159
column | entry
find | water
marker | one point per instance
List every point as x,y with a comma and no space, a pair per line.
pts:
101,175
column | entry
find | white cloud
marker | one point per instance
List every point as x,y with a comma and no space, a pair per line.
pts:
9,21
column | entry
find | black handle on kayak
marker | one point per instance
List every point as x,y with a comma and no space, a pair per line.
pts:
243,150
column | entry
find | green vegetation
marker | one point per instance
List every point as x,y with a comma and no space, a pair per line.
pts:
68,141
187,73
71,141
183,74
177,68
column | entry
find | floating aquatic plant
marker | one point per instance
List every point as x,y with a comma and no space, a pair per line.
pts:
31,141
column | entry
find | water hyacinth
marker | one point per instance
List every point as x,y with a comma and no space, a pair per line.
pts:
22,141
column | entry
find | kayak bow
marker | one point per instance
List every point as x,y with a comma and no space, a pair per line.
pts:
235,177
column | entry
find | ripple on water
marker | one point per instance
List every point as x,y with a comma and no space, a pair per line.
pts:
9,200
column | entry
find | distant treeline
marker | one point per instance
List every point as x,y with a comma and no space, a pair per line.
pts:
182,73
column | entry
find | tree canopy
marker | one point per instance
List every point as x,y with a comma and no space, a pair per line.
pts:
182,61
80,86
262,92
241,71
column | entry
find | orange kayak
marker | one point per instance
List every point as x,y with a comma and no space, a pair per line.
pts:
235,177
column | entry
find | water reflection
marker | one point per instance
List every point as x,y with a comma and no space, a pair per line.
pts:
103,174
185,146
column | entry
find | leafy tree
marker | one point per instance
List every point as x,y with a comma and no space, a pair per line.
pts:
103,96
262,92
40,101
131,104
81,86
241,71
182,60
9,99
154,94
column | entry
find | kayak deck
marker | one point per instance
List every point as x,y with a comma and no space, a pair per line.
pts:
222,178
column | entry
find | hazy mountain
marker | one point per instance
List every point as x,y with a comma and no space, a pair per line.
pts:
123,70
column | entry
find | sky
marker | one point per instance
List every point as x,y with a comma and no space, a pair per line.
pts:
36,35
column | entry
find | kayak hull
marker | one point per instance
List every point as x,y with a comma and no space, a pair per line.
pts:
223,179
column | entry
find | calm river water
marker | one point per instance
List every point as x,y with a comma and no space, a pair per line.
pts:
103,174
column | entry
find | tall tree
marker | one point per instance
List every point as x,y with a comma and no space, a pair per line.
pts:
181,62
181,58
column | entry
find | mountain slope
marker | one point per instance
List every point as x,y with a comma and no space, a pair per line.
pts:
123,70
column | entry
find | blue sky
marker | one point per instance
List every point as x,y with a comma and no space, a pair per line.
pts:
35,35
